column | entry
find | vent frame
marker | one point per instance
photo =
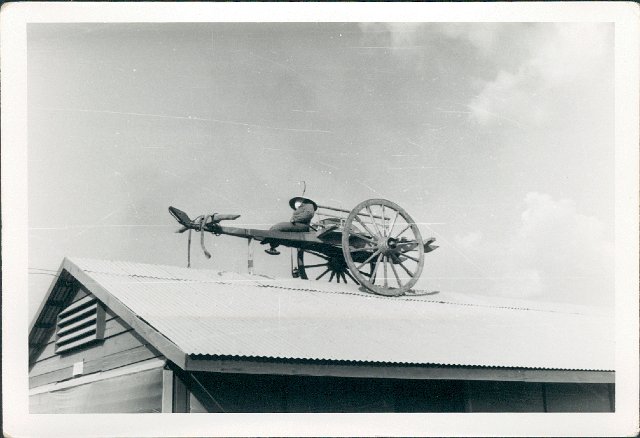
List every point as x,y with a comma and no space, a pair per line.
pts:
80,324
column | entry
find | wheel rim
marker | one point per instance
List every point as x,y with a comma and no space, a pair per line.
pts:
323,267
380,232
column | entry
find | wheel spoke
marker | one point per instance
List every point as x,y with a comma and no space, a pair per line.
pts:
318,254
375,225
365,226
409,257
344,278
403,230
323,274
384,261
395,272
365,273
369,259
393,223
333,273
338,277
315,266
384,223
375,270
351,277
405,269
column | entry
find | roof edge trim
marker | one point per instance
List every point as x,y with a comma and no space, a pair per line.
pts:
393,371
44,301
170,350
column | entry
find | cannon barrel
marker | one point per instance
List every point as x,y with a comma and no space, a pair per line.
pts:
188,223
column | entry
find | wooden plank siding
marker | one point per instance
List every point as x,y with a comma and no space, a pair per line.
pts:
117,360
121,346
131,389
117,344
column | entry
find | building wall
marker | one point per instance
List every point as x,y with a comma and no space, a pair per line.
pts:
138,392
581,397
134,388
274,393
485,396
120,347
491,396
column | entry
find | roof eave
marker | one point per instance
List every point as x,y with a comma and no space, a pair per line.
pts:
45,300
165,346
250,365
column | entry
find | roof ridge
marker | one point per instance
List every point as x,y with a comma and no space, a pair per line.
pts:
264,281
425,300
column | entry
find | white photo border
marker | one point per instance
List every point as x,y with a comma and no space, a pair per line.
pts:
14,18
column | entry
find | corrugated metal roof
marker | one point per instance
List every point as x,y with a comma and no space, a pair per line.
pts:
206,312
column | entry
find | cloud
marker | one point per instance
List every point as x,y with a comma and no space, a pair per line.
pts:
557,238
404,34
559,61
483,37
469,242
568,52
501,99
394,34
555,254
563,253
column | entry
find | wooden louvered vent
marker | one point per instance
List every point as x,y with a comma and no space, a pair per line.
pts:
80,324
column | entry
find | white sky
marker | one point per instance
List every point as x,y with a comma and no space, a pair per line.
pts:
501,134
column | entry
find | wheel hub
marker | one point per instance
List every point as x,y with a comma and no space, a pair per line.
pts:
337,265
388,246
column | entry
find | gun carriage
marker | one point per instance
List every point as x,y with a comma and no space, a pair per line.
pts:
376,244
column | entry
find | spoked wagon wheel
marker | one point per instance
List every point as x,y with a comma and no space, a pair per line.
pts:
380,232
318,266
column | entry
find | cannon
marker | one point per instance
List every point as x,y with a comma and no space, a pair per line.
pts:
376,245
